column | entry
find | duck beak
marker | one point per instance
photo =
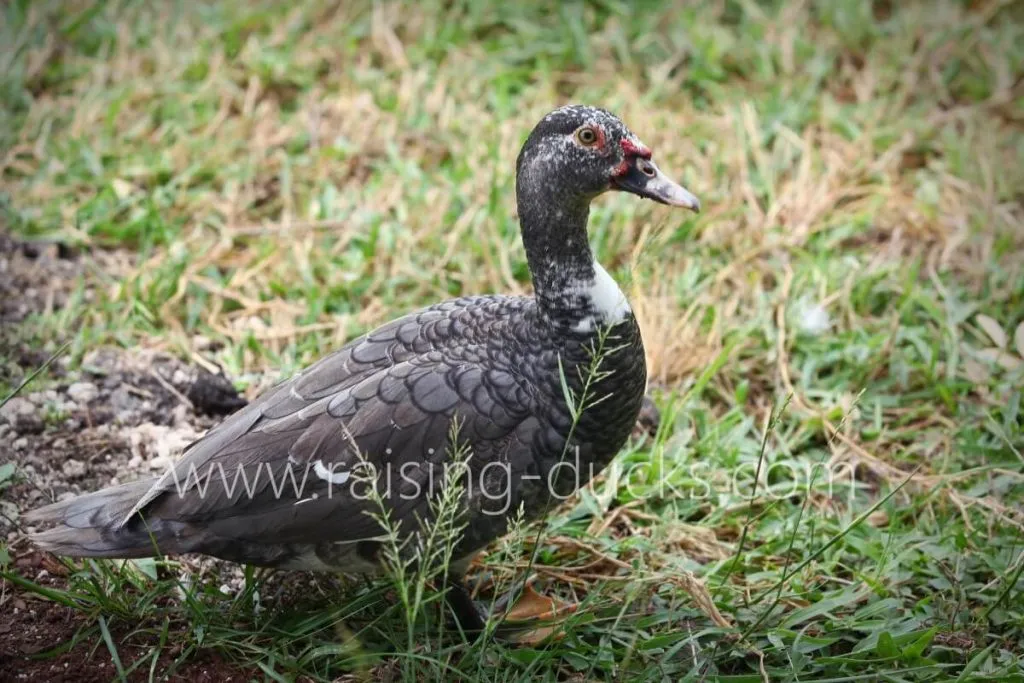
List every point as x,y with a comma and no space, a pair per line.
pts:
644,179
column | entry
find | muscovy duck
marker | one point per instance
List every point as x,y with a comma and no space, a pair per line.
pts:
539,393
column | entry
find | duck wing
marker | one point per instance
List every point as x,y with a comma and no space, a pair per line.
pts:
391,408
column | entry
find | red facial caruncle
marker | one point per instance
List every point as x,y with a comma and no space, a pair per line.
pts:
637,149
632,150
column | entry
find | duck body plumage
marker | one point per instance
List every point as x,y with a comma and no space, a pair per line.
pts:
283,482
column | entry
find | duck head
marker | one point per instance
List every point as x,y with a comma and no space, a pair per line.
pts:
581,152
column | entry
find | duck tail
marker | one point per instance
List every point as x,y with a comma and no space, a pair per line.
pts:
91,526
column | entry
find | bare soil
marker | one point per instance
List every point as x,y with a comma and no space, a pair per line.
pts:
43,641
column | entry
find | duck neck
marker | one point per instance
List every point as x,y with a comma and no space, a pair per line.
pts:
572,290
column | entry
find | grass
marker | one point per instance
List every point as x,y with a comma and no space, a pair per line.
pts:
835,492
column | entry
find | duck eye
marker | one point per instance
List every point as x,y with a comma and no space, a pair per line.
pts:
586,136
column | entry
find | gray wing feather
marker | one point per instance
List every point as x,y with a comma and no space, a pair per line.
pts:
279,406
383,400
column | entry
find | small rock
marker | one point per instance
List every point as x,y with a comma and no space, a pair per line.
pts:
16,408
180,378
20,444
22,416
9,510
161,443
179,416
43,398
160,462
74,469
83,392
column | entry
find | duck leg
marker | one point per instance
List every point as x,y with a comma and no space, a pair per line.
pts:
469,618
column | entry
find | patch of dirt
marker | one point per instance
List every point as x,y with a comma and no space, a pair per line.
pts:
45,640
35,277
34,628
124,416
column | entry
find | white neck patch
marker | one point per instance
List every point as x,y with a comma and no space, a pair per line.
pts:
606,300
